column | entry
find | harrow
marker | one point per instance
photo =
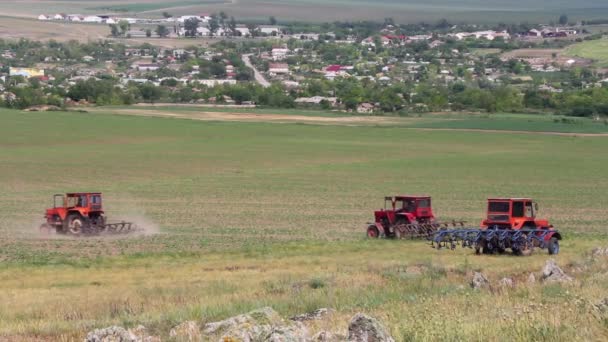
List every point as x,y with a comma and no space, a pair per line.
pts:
422,230
490,240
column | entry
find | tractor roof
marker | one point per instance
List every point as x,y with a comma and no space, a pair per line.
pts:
82,193
510,199
411,196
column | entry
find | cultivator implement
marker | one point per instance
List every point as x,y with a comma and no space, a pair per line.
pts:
491,240
423,230
118,228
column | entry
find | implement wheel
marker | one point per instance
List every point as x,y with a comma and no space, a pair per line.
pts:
553,246
372,232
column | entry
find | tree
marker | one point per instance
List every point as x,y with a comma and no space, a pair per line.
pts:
167,15
563,19
114,30
148,33
232,26
214,24
162,31
272,20
124,26
253,30
191,27
223,17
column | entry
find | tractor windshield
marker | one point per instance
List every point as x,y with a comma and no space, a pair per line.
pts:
498,207
408,206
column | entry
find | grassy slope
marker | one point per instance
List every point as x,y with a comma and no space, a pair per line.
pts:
253,214
594,49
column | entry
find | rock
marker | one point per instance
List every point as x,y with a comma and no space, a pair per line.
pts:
531,279
314,315
554,274
186,331
258,325
599,251
602,306
506,282
110,334
140,333
479,281
363,328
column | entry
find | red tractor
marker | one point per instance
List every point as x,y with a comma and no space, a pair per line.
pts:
80,213
510,223
405,215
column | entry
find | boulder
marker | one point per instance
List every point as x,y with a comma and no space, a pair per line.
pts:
186,331
258,325
326,336
506,282
599,251
363,328
110,334
140,333
602,306
554,274
314,315
479,281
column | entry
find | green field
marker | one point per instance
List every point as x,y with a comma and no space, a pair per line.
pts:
490,11
246,214
593,49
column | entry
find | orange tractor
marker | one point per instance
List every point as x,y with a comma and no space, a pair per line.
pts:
509,223
81,213
406,216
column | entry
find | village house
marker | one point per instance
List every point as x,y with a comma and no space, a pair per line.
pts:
92,19
270,30
213,83
279,53
278,69
316,100
44,17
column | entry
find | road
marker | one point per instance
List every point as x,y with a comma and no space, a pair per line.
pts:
258,76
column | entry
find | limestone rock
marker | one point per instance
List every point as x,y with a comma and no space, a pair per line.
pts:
479,281
554,274
110,334
186,331
314,315
363,328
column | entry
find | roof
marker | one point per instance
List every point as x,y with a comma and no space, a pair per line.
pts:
412,196
83,193
509,199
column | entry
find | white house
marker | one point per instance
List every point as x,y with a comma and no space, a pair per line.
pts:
242,30
278,68
110,21
213,83
269,30
92,19
43,17
74,17
279,53
59,16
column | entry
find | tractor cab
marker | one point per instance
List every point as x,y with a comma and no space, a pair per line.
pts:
407,208
84,205
513,213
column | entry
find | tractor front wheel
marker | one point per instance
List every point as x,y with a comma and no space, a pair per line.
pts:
75,224
372,232
553,246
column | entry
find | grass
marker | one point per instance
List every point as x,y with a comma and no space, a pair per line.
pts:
254,214
593,49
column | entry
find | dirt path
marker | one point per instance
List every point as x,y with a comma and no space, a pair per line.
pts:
258,76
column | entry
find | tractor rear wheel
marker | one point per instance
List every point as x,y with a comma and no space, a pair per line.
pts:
398,234
75,224
553,246
372,232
